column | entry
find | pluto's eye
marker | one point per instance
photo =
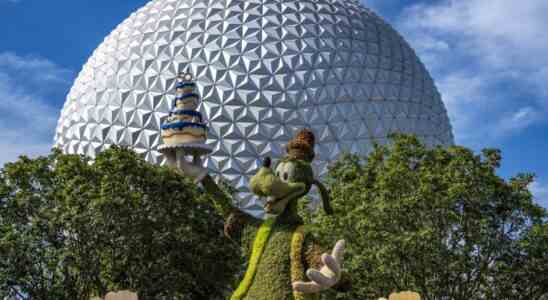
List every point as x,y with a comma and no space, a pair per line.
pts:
278,174
285,176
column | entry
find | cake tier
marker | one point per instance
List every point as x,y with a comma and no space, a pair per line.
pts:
182,115
185,87
182,85
184,132
183,125
187,101
184,138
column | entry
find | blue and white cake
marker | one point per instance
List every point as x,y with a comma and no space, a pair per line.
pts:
184,124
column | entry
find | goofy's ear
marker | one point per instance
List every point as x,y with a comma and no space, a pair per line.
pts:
324,194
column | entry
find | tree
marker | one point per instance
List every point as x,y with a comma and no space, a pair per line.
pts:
71,228
438,221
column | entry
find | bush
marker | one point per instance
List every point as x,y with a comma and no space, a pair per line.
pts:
71,228
436,221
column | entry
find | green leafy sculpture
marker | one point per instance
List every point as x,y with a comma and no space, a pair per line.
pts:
281,253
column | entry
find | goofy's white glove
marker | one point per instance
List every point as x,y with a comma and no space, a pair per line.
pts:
327,277
192,169
123,295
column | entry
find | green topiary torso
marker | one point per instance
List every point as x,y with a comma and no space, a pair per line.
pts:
273,272
273,276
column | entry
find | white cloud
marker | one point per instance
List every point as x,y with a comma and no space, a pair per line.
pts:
540,192
488,59
504,34
34,70
28,119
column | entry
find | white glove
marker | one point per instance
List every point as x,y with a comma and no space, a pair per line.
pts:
193,169
123,295
405,296
327,276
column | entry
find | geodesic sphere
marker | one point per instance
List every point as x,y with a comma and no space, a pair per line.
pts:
264,69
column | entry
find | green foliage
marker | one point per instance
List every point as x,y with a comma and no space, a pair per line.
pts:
272,280
71,228
258,247
437,221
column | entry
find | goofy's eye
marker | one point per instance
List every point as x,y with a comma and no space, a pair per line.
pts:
280,170
289,172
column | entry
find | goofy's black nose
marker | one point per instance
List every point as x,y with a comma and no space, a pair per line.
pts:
267,162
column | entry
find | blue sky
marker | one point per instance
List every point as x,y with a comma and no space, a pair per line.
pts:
488,59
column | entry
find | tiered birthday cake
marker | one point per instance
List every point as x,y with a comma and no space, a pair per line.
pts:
184,124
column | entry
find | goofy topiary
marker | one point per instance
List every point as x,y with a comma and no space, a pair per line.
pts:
281,253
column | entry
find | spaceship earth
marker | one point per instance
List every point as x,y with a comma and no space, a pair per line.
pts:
264,69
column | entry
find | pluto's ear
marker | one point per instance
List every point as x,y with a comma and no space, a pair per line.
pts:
324,194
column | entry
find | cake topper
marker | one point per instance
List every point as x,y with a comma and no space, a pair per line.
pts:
184,131
185,77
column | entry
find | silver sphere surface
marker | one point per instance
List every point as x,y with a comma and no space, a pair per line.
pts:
264,69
